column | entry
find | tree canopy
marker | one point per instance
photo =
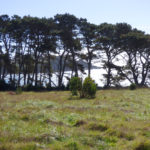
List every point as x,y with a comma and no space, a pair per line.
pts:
32,49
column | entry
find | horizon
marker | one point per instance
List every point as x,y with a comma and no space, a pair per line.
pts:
135,12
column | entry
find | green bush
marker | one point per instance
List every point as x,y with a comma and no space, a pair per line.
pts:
3,85
133,86
75,85
89,88
18,90
72,146
142,144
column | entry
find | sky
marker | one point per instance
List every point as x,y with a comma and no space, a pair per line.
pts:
133,12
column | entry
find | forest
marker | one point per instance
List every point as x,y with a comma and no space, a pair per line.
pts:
29,46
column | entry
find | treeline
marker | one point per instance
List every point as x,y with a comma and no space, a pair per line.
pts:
29,45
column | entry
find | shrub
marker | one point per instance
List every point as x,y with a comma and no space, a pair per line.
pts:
18,90
12,85
25,118
7,86
75,85
28,87
141,144
89,88
72,146
48,87
133,86
3,85
31,87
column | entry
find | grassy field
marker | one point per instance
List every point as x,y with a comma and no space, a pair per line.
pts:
114,120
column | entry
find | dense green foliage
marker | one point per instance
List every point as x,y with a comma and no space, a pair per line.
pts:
18,90
89,88
132,86
75,85
33,49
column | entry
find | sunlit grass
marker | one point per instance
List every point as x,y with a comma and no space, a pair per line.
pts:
114,120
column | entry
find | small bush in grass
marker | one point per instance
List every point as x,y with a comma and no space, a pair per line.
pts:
133,86
18,90
141,144
75,85
28,87
25,118
3,85
89,88
72,146
85,90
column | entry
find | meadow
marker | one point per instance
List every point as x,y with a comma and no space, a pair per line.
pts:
114,120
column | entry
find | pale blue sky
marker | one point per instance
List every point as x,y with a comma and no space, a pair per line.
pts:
134,12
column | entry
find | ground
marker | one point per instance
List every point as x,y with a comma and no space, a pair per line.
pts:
114,120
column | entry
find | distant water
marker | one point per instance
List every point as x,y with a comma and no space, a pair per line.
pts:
96,74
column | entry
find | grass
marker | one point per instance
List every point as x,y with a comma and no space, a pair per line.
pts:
114,120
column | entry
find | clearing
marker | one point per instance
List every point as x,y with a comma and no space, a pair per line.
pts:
114,120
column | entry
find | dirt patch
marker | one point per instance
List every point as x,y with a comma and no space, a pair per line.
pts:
143,146
99,127
79,123
12,93
59,123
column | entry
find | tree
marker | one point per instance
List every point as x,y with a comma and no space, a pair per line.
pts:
136,45
88,33
6,41
68,42
106,44
32,49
